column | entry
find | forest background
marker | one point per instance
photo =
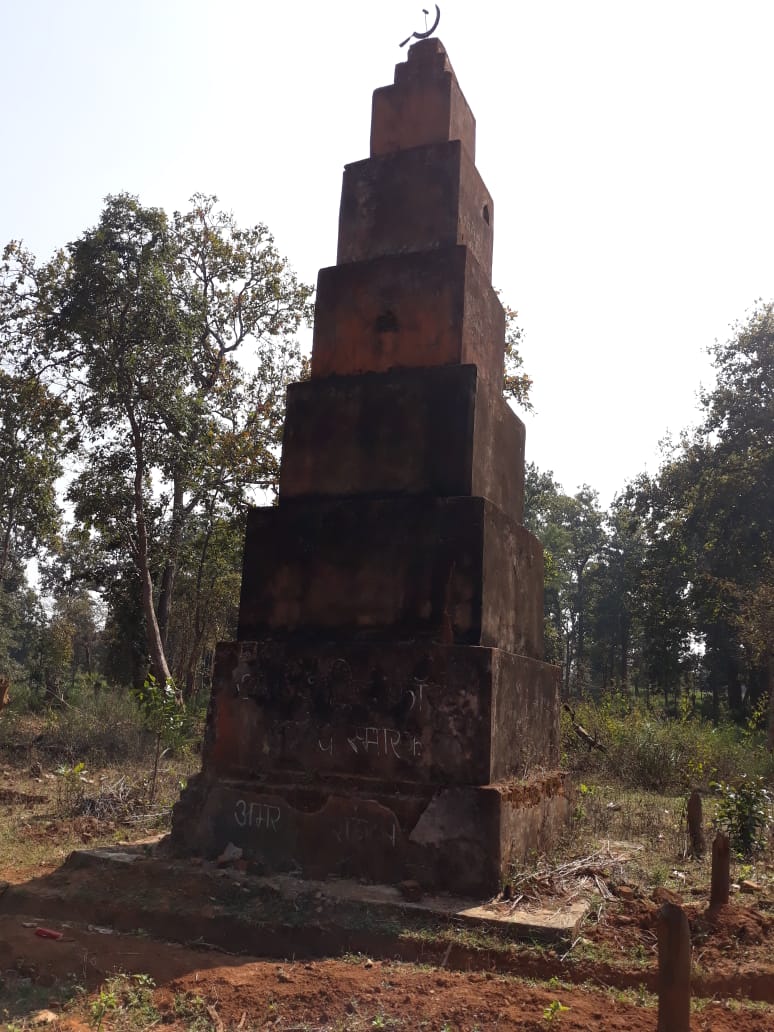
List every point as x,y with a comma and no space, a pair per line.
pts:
142,377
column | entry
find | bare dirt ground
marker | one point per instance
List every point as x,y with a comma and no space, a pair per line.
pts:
435,979
348,995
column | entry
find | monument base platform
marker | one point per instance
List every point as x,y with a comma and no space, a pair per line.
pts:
132,887
461,839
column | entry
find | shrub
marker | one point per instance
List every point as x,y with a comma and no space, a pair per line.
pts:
646,750
97,730
165,717
745,814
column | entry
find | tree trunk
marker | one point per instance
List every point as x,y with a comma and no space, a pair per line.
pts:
770,678
6,550
170,565
190,669
624,668
734,690
200,618
715,703
567,659
581,625
158,659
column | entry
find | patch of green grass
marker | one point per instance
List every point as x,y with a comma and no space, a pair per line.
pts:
639,996
126,1002
192,1009
703,1004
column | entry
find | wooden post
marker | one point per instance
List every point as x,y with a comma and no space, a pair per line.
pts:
721,870
696,825
674,970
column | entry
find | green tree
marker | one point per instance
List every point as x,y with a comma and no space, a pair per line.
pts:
541,499
208,592
713,517
141,320
668,619
34,436
731,523
756,629
570,528
615,618
575,538
517,385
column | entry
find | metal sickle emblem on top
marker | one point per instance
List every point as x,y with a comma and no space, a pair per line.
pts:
427,32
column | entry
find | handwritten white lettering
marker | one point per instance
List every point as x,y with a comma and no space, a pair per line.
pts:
257,815
358,831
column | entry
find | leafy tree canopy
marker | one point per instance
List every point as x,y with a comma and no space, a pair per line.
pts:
172,339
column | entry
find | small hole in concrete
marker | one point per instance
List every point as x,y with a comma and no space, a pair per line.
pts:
485,213
386,323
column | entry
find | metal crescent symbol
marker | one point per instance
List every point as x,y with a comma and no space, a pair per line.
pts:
430,31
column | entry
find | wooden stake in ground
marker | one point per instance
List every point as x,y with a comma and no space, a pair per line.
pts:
674,970
721,870
696,825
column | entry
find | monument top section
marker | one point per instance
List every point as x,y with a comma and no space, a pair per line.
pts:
412,284
424,105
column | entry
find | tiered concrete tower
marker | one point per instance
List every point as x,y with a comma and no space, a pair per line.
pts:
385,712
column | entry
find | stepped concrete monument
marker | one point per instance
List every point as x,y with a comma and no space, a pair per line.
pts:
385,712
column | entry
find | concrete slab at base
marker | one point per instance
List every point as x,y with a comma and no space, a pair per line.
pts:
126,888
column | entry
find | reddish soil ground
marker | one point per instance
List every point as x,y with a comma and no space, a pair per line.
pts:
246,993
732,946
604,980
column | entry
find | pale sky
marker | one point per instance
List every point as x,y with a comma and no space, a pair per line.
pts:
628,147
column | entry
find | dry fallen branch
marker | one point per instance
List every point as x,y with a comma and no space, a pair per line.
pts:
582,733
575,879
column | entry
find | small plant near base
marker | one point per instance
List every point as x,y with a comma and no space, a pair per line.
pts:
192,1009
659,875
165,717
105,1001
554,1010
129,1001
70,789
744,813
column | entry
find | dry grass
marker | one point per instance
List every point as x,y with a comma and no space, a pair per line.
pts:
640,839
42,819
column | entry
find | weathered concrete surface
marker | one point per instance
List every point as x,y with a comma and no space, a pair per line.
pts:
400,713
462,840
450,570
133,887
385,713
438,431
425,105
415,200
426,308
